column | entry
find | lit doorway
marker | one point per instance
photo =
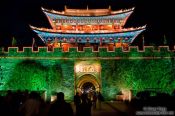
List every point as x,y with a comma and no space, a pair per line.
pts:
87,83
88,87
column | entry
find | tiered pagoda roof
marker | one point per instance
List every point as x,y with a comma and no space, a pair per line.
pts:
92,25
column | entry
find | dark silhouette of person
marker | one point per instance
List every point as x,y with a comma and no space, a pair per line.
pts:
60,107
100,99
85,106
77,102
94,100
7,108
31,105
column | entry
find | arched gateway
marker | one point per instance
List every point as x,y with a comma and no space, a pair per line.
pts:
88,83
87,76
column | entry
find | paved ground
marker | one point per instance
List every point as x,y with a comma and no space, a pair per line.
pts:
109,109
119,108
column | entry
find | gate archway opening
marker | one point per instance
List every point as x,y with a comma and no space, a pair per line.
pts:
87,83
88,87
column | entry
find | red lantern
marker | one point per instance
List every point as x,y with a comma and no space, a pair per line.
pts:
110,39
64,40
126,38
72,40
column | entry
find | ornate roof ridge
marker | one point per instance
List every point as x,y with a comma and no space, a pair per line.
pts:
88,12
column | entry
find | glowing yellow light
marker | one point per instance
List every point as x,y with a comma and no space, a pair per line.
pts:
126,94
53,98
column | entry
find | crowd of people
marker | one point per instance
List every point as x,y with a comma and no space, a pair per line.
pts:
32,104
85,101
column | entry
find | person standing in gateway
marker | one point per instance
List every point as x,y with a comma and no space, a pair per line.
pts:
60,107
77,102
100,99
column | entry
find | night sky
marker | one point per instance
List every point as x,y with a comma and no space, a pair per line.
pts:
16,15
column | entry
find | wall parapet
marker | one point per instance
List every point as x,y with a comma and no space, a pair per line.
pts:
133,51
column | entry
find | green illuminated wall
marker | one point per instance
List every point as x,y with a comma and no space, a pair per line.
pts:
54,71
138,75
